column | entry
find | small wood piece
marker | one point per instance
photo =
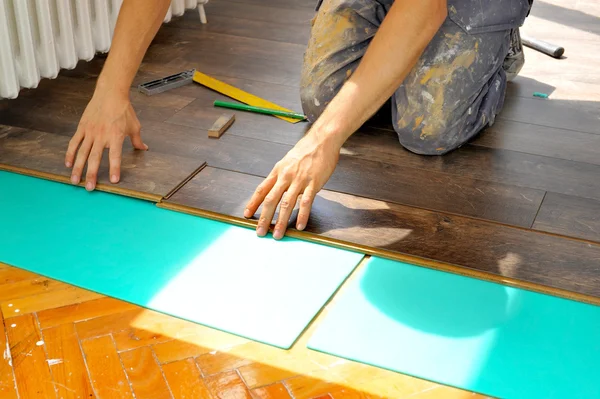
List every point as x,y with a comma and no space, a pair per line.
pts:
220,125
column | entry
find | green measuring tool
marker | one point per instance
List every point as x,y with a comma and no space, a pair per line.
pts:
260,110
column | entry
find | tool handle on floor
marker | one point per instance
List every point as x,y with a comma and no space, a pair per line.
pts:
260,110
542,46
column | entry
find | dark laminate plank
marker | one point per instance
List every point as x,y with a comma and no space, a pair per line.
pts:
541,140
56,105
267,12
502,166
275,70
171,42
145,174
369,178
583,116
502,250
436,191
240,26
202,114
570,216
287,4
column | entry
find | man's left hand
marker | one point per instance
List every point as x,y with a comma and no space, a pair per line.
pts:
302,172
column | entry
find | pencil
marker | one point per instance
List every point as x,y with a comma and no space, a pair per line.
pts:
260,110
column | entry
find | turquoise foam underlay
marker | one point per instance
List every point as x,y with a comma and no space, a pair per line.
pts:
205,271
463,332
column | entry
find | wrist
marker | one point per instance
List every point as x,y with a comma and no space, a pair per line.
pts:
329,132
111,87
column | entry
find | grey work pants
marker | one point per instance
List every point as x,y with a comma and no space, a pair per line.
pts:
457,86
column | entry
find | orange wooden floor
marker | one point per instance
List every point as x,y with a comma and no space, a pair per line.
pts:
64,342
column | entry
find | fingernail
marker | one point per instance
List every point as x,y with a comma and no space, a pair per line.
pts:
75,179
301,227
114,178
261,231
68,164
89,186
277,234
247,213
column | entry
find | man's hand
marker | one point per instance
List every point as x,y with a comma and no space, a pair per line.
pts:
302,172
109,116
105,123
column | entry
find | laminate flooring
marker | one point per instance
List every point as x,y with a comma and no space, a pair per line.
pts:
519,202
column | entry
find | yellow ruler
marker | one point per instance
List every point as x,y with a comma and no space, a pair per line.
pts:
240,95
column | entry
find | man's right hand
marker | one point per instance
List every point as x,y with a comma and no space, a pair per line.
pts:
105,123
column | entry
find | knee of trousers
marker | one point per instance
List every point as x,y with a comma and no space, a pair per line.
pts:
437,141
315,95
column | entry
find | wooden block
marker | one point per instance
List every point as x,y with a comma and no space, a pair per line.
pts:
83,311
184,380
134,338
47,300
219,362
66,362
145,374
274,391
260,374
105,368
28,359
227,385
7,377
221,125
177,350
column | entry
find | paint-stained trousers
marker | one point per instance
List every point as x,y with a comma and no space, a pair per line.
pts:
457,86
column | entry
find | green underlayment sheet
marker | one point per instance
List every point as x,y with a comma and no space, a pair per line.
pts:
467,333
208,272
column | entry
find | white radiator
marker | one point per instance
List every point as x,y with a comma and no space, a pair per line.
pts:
38,38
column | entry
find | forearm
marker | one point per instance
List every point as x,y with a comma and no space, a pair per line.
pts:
137,24
401,39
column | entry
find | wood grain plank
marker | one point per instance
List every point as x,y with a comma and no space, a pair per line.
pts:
201,114
239,25
11,275
7,377
274,391
428,189
66,362
227,385
265,12
581,116
47,300
512,168
274,69
185,381
542,140
472,244
31,287
145,374
106,371
145,174
570,216
132,338
103,325
260,374
28,358
83,311
177,350
201,40
306,387
219,362
57,105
